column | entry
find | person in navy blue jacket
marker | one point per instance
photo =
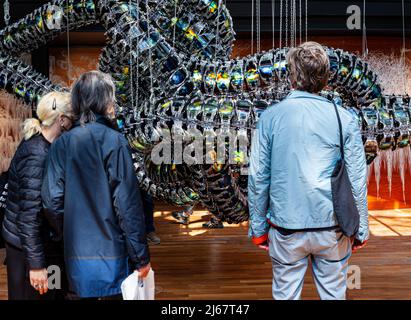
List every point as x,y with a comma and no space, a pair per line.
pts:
91,195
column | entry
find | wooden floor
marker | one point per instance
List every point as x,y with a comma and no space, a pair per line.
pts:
194,263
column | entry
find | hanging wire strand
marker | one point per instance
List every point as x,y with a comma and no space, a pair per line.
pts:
301,22
175,22
364,32
291,23
306,20
286,23
252,26
6,7
403,56
273,21
131,61
150,57
135,107
281,34
281,24
68,44
217,36
258,18
295,22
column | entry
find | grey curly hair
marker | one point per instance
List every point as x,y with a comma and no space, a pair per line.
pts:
309,67
92,94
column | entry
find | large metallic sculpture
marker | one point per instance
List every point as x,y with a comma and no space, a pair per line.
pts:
170,62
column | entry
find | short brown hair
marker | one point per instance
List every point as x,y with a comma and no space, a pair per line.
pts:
309,67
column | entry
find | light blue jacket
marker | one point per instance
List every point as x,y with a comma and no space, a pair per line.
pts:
293,154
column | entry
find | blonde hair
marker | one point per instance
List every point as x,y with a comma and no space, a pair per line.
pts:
309,67
49,108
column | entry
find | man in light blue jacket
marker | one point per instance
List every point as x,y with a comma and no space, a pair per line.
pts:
294,152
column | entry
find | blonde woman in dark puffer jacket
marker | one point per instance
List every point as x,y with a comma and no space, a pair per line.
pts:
28,239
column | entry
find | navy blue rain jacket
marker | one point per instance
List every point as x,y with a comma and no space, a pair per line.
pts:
90,181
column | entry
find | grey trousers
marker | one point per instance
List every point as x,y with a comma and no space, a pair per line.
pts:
329,250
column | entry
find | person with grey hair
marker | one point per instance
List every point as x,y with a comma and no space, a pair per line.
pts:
91,195
293,156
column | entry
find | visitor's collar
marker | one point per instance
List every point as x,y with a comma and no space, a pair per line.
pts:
102,120
304,94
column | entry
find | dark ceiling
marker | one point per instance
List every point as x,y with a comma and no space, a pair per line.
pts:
323,16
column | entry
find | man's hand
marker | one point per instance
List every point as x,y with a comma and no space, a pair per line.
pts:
264,246
357,244
143,271
39,280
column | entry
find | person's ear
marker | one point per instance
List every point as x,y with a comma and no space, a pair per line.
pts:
111,113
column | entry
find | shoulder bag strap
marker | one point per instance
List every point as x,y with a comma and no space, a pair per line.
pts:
340,128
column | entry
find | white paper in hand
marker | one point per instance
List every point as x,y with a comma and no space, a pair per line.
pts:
135,288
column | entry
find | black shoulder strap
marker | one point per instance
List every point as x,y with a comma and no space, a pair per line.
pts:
340,128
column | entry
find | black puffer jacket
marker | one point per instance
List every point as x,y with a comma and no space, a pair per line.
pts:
24,226
4,177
